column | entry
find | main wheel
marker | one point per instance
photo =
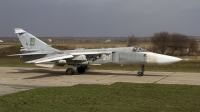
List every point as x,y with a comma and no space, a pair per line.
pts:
81,69
140,73
69,71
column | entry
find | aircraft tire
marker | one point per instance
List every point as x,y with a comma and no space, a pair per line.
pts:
69,71
81,69
140,73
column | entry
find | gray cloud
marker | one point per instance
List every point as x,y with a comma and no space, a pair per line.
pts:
100,17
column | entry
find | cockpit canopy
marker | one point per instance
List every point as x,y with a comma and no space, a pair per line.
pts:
139,49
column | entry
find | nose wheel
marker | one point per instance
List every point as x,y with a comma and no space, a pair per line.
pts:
141,72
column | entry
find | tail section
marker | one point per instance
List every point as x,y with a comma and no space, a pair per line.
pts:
31,43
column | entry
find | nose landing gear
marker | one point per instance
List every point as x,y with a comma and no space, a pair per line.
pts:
141,72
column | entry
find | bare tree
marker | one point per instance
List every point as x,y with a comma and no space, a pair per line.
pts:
193,46
132,41
178,42
161,41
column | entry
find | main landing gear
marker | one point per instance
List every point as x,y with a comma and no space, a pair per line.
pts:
79,68
70,71
141,72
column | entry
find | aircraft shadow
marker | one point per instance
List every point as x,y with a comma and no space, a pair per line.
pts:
127,74
47,73
53,73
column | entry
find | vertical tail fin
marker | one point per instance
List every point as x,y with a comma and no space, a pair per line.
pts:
29,41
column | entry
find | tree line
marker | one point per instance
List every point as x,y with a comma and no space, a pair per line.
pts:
172,44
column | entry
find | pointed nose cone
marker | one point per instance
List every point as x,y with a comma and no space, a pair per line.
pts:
164,59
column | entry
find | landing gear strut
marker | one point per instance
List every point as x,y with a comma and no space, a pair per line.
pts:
141,72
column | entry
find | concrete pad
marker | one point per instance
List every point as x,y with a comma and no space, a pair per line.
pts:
14,79
182,78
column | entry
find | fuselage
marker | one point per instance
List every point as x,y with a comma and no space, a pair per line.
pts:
127,55
121,55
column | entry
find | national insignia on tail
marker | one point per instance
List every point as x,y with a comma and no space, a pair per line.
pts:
32,41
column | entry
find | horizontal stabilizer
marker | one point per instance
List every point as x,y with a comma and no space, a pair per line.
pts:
51,58
28,54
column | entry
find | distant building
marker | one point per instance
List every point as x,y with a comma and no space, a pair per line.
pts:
49,40
1,40
107,41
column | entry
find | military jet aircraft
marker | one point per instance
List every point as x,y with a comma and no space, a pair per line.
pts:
39,53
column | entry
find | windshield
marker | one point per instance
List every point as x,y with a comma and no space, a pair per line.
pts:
139,49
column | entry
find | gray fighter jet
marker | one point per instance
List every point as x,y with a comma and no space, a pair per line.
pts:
39,53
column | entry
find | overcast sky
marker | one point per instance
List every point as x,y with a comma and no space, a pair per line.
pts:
99,18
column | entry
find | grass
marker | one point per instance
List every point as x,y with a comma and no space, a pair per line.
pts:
184,66
118,97
14,62
8,44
